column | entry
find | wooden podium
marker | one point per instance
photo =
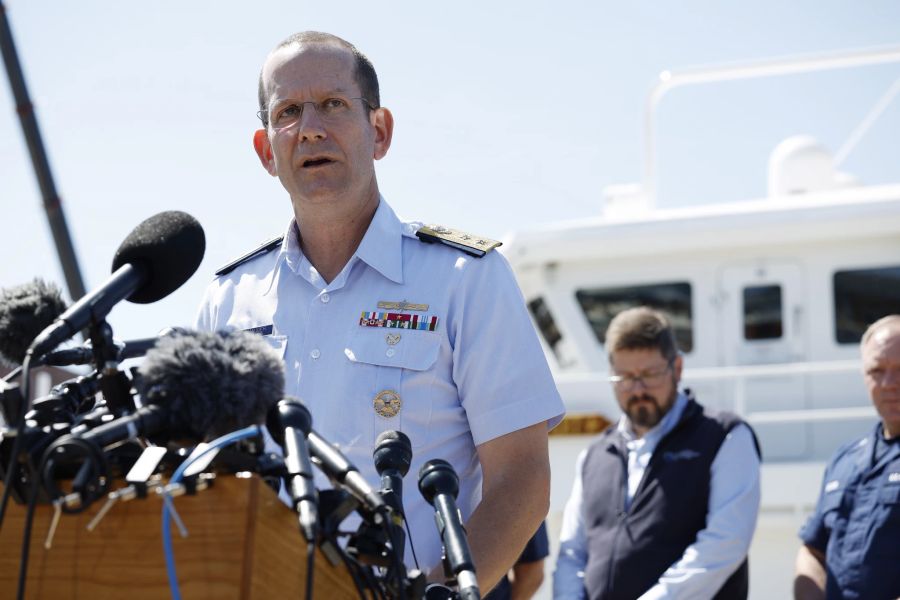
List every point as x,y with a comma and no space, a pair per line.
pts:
243,543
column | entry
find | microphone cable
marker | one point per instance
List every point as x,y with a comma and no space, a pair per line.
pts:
168,551
11,467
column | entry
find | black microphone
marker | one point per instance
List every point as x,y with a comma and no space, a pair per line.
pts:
158,256
25,311
128,349
194,387
439,485
289,423
336,466
200,385
392,456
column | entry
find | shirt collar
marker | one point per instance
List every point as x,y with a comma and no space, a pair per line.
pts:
665,425
381,247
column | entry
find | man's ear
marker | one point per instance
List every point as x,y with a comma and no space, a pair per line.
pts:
264,151
677,366
384,131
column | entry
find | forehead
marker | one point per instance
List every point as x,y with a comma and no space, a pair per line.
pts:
300,69
637,359
884,345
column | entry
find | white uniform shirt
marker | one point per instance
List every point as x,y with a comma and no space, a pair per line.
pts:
478,375
719,548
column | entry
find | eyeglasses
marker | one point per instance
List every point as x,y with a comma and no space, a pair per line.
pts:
330,110
650,379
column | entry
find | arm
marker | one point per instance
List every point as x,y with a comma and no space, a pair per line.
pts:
515,499
568,578
722,545
526,578
809,574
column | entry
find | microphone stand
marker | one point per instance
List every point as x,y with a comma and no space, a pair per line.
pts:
52,202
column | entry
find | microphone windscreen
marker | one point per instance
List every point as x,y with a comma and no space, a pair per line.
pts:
170,246
212,383
392,451
25,311
437,477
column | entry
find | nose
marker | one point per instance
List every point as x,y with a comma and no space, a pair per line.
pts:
310,127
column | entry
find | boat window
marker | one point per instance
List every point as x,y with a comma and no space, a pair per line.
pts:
545,323
600,305
861,297
762,312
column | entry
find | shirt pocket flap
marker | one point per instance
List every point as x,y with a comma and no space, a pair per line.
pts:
890,494
831,500
388,347
278,344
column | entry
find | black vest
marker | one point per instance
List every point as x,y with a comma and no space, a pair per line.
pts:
629,551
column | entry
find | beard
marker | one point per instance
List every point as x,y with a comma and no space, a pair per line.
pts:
644,411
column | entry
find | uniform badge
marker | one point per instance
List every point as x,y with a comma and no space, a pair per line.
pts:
402,305
392,339
387,403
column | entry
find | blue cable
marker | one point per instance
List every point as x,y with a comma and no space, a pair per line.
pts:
217,443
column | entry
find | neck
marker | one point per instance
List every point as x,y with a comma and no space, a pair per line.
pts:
888,432
331,232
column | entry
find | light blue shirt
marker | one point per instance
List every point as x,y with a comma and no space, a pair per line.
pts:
479,374
719,548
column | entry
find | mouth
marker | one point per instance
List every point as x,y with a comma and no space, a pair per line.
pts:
318,161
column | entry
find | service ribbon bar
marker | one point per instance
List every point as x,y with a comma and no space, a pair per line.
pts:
395,320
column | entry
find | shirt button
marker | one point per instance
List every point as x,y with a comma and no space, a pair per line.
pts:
325,298
390,352
315,354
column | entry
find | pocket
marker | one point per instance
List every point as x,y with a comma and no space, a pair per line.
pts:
889,500
278,343
830,506
397,367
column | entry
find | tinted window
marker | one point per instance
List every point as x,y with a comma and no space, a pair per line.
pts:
861,297
545,323
762,312
600,305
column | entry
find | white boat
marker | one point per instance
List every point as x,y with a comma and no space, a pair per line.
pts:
769,298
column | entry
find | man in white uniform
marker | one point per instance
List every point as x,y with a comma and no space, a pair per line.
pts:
387,325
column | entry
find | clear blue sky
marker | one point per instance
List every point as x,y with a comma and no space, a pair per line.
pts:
508,115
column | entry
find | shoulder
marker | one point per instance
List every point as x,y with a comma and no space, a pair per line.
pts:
851,450
472,244
260,250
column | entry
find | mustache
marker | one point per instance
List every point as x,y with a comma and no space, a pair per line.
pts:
637,398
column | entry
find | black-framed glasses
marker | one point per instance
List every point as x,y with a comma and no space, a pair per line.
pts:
330,110
648,380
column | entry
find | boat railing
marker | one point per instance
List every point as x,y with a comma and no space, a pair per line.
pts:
739,376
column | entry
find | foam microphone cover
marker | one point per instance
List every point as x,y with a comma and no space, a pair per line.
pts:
169,246
211,383
392,451
25,311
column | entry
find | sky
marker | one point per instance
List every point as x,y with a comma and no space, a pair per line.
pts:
508,115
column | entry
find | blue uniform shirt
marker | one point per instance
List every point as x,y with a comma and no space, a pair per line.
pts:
471,369
857,519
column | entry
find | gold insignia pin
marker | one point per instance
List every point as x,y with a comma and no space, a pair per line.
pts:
392,339
402,305
387,403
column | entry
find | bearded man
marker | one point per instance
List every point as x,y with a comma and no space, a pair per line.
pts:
665,502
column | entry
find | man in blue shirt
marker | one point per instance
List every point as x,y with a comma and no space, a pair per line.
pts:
385,324
664,504
852,542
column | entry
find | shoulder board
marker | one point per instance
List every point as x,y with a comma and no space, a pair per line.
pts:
473,245
264,248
